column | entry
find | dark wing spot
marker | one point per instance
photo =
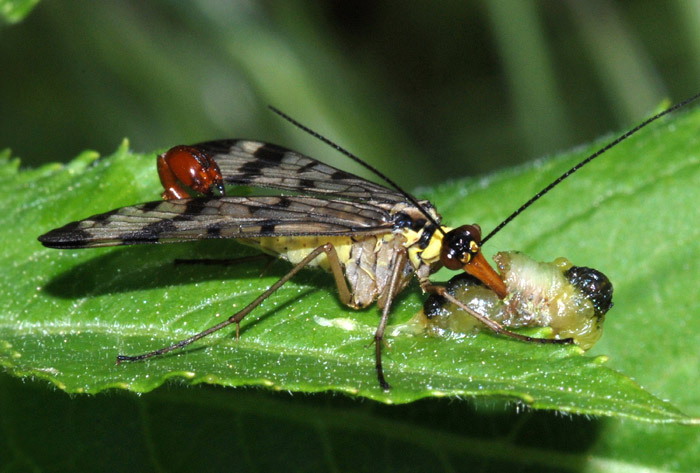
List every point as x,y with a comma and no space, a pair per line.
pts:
148,234
341,175
148,206
307,167
268,228
68,236
307,183
217,147
182,218
214,230
269,152
284,203
251,169
195,206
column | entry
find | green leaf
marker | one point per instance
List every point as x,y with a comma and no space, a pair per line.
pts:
65,315
14,11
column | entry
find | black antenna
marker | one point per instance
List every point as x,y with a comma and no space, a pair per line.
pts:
358,160
605,148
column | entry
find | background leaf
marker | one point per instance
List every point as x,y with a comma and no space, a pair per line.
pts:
662,161
14,11
302,339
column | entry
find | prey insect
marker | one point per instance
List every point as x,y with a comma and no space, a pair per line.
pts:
571,301
373,239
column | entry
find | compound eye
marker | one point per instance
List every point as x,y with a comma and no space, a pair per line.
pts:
460,245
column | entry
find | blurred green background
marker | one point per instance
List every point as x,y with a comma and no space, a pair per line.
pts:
425,92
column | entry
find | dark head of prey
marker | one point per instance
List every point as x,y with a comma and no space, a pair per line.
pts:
594,285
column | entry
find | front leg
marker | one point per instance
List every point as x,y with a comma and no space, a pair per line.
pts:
442,291
392,289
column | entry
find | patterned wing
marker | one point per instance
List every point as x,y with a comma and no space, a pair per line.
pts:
221,217
252,163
